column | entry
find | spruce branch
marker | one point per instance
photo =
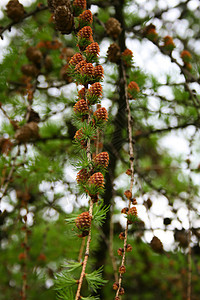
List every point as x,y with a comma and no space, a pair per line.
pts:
95,279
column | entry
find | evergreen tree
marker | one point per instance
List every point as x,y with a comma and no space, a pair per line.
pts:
84,170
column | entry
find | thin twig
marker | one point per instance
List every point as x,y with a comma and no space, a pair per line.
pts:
10,174
131,153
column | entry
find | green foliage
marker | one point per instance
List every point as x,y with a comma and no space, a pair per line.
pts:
40,182
95,279
99,214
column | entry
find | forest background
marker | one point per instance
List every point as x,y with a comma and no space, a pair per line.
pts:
38,174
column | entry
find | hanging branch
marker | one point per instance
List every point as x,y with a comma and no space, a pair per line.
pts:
128,194
8,179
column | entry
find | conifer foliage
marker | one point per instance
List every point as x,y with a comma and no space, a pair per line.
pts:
95,201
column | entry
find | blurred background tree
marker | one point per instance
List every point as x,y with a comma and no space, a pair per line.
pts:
38,180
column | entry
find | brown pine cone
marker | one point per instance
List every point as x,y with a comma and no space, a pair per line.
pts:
64,19
98,72
120,251
113,28
30,70
53,4
76,58
82,176
128,194
122,236
79,137
114,53
115,286
95,90
122,269
87,69
81,107
101,159
129,248
86,17
93,49
96,179
15,10
83,221
156,245
34,55
101,115
85,32
79,6
80,65
121,291
81,93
